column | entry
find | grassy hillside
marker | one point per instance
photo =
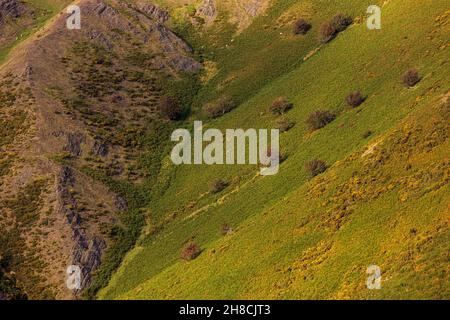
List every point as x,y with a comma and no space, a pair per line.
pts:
383,200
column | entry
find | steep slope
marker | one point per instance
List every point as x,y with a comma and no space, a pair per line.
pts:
384,199
75,106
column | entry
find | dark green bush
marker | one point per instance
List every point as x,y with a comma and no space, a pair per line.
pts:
170,108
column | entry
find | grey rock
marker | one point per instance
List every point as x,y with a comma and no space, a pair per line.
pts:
11,8
253,7
100,38
185,64
154,12
74,141
100,148
121,204
207,10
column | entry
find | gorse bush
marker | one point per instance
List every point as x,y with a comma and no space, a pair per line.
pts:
328,30
190,251
220,107
170,108
354,99
319,119
301,27
411,78
315,167
280,106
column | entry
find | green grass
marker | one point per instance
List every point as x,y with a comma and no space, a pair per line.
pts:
285,223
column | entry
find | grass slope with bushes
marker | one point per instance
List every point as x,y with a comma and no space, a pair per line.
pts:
301,234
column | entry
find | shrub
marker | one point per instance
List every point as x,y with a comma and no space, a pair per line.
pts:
217,186
354,99
319,119
285,125
315,167
329,30
219,107
190,251
170,108
326,32
411,78
340,22
301,26
280,106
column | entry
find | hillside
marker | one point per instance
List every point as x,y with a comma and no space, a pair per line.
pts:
75,118
86,176
300,238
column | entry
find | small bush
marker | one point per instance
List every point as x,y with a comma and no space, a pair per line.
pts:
219,107
340,22
217,186
285,125
329,30
411,78
319,119
190,251
301,27
326,32
170,108
315,167
354,99
280,106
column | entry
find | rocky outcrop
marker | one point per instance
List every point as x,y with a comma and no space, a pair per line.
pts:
100,148
254,7
153,12
121,204
172,46
74,141
185,64
11,8
86,249
207,10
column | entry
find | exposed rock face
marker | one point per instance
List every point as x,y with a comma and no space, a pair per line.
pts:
172,45
74,141
253,7
153,12
121,204
207,10
101,38
87,250
10,8
152,18
100,148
